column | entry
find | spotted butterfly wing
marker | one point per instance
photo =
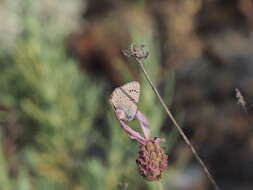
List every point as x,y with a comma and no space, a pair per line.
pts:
126,98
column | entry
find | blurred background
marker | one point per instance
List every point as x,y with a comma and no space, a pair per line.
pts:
60,61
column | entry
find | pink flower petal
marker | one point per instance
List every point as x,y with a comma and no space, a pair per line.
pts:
131,133
143,121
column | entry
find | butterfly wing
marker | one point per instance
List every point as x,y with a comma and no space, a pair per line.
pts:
126,97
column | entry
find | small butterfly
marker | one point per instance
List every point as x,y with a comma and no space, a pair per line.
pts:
126,98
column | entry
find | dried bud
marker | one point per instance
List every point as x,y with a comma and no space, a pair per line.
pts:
136,51
152,161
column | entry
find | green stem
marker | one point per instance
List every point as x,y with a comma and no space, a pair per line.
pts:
160,185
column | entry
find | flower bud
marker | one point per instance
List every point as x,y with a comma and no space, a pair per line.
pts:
152,161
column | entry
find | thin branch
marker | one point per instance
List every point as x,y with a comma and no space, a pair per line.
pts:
210,177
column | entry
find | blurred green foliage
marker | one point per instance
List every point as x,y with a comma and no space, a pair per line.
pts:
57,130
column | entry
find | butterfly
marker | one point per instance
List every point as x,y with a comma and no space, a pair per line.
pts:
126,98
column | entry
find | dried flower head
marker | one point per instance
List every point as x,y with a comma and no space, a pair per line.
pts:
138,52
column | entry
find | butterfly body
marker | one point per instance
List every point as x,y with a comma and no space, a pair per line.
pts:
128,114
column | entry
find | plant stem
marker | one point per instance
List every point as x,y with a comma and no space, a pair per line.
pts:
208,174
160,186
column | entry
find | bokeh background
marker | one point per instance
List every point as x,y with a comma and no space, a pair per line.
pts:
60,60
